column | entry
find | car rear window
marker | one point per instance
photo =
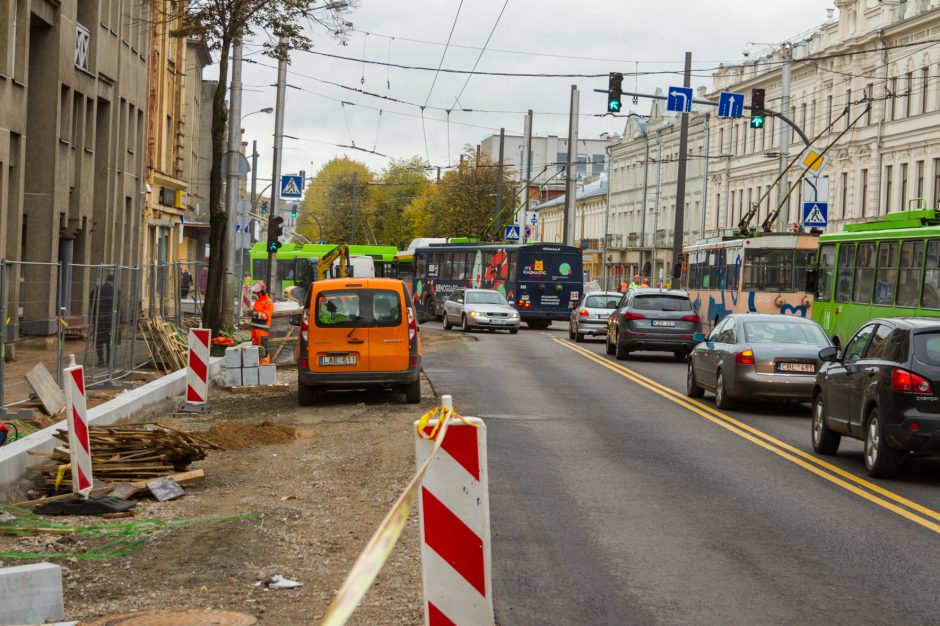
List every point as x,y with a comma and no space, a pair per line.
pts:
784,332
351,308
661,303
601,302
927,348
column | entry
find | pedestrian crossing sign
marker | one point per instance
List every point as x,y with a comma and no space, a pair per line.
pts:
815,214
291,186
511,233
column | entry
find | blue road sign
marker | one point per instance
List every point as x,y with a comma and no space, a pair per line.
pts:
730,104
680,100
292,186
511,233
815,214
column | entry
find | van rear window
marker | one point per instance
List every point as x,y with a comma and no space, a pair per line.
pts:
927,348
358,308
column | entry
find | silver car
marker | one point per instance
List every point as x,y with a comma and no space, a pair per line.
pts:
479,308
590,316
757,356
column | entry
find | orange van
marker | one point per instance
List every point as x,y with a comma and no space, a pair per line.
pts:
358,332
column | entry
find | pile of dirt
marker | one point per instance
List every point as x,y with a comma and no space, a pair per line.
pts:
236,435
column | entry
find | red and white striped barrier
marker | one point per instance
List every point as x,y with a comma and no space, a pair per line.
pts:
455,526
197,368
79,445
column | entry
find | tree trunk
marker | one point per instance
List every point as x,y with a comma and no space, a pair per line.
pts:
218,220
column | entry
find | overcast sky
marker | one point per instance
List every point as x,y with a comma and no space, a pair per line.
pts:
543,36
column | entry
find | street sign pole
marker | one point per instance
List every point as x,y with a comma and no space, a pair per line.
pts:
679,217
278,143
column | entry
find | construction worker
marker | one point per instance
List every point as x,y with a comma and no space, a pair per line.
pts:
635,283
262,314
645,284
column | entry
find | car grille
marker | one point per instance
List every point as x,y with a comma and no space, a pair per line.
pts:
496,314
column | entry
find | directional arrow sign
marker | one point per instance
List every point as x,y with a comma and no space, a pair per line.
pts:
679,100
730,104
815,214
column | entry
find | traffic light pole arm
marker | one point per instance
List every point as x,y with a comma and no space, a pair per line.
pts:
783,118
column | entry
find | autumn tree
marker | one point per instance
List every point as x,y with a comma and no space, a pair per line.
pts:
400,185
222,24
328,204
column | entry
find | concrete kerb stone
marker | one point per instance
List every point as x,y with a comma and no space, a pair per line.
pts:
32,594
15,458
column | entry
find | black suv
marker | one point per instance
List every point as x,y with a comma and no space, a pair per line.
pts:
653,319
882,389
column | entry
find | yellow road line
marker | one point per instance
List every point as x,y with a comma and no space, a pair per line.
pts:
834,474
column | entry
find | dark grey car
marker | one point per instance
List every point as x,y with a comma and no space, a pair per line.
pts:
757,356
653,319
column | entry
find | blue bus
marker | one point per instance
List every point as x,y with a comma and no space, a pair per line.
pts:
543,281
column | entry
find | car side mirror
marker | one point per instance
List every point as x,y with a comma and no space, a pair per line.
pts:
829,355
295,320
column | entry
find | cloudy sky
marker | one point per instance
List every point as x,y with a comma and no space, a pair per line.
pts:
539,37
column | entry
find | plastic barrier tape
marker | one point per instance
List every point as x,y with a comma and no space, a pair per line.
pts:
374,555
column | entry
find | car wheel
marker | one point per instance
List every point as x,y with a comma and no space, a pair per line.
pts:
447,324
413,392
825,441
692,388
679,355
608,346
722,401
464,326
880,460
578,337
571,333
513,331
621,352
306,395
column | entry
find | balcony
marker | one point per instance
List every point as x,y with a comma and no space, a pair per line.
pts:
594,245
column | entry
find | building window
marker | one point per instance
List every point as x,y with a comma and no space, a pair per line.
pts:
920,181
893,95
888,173
829,107
936,183
903,206
843,200
870,94
863,191
20,37
812,119
907,94
729,217
848,108
82,47
717,211
925,82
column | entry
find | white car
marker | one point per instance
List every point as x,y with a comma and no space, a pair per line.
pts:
479,308
590,316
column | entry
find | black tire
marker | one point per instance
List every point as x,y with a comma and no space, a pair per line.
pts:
608,347
447,324
722,401
692,388
463,324
578,337
825,441
538,324
413,392
513,331
880,460
571,333
679,355
306,395
621,352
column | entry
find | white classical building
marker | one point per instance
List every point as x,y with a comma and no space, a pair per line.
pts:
882,53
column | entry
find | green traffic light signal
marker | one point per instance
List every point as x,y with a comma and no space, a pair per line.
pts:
274,246
757,121
613,106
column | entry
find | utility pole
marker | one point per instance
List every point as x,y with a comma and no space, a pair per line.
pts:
528,176
646,168
231,184
659,188
679,218
276,156
352,233
783,140
246,235
705,173
571,175
499,178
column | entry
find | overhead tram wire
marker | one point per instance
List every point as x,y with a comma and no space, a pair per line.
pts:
480,56
443,54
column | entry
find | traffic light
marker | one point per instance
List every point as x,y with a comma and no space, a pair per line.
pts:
264,207
275,230
614,92
293,211
757,108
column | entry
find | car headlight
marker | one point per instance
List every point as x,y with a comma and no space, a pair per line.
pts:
473,313
513,315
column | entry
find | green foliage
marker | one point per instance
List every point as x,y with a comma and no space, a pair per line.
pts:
329,199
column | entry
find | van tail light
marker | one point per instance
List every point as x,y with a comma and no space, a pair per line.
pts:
695,319
412,325
903,381
305,325
629,317
745,357
584,313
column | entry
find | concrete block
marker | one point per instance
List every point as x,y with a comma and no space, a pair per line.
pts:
249,376
267,374
233,358
233,377
32,594
251,357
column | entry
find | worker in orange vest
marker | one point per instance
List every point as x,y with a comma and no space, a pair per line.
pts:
261,317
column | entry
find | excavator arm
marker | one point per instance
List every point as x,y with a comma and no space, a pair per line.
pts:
340,252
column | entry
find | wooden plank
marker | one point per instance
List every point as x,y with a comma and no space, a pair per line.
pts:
52,398
182,478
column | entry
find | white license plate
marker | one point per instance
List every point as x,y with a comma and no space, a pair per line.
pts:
345,359
670,323
601,316
803,368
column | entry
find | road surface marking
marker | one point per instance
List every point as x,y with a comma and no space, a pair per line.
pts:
772,444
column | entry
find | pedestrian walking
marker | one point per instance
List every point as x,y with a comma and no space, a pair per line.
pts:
102,305
186,283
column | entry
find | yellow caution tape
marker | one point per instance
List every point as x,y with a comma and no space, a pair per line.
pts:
63,322
376,552
59,475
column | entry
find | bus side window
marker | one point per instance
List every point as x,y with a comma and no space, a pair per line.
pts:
931,295
912,262
887,273
827,263
421,265
864,273
845,271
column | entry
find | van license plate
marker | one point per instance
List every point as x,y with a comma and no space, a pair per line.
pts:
807,368
670,323
346,359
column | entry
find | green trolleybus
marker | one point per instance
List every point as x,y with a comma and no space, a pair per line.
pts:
887,268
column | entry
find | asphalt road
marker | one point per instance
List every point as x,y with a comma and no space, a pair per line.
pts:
614,501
